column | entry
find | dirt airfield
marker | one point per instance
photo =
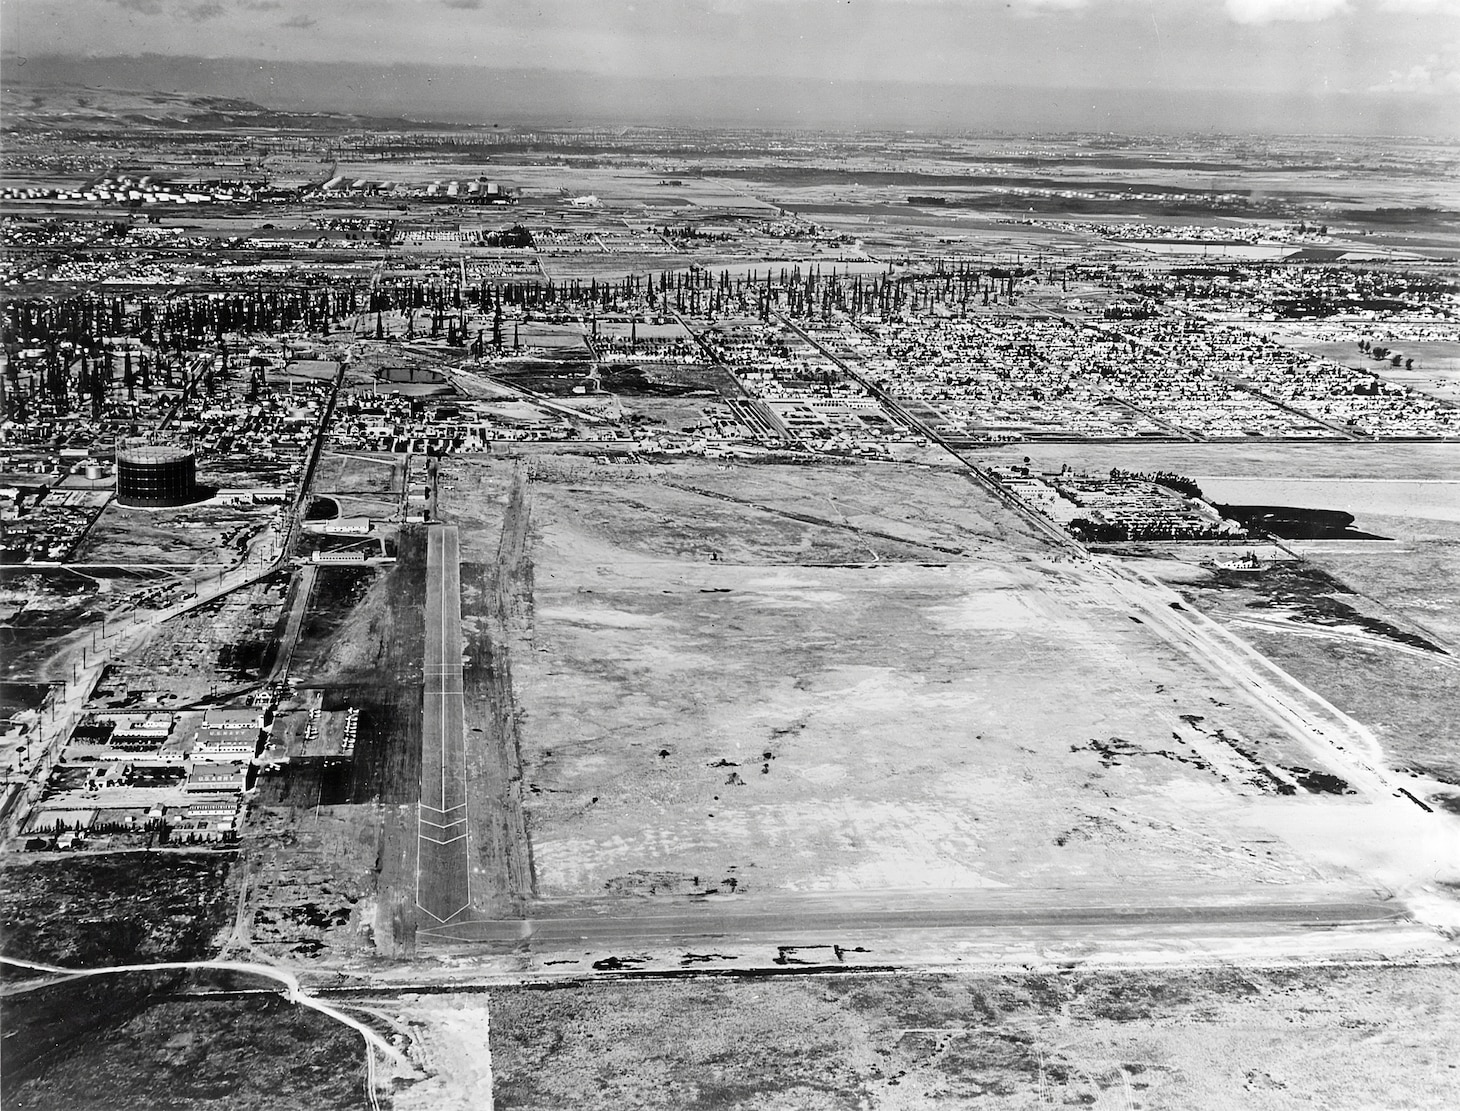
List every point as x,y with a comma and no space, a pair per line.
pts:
759,680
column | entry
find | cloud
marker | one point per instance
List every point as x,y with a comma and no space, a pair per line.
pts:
1444,7
1284,11
196,12
1436,74
1419,79
299,22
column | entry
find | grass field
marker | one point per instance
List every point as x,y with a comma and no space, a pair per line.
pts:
251,1053
115,909
1162,1041
339,473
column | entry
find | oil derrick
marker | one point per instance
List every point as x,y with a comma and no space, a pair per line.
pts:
56,379
255,377
92,382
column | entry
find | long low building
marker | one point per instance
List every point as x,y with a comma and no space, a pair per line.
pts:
211,777
223,745
251,718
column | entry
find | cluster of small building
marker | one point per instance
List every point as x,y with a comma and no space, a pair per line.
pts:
1297,292
1247,232
1173,197
143,190
801,396
1001,376
1115,507
475,190
45,524
51,502
152,774
646,349
1353,399
392,423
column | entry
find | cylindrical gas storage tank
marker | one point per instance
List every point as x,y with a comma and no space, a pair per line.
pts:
156,476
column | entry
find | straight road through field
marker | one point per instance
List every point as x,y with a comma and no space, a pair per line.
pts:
443,865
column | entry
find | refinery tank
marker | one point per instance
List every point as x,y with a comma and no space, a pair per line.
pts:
156,476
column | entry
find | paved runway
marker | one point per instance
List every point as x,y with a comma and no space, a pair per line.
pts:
443,866
825,920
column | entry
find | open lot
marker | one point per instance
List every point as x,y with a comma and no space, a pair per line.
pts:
341,474
792,689
186,536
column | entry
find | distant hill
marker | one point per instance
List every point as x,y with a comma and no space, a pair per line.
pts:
38,106
256,92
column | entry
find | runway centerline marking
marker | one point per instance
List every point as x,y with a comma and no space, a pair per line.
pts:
443,866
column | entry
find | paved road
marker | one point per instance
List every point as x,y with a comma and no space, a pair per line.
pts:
824,920
298,607
443,867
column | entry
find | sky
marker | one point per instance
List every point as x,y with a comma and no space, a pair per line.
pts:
1313,61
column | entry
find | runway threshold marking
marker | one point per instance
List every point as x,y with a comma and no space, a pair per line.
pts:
443,852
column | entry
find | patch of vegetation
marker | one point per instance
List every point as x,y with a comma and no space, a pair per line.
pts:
1294,523
121,908
322,509
1312,595
245,1053
515,236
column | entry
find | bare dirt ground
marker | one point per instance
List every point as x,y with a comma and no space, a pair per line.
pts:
188,535
310,876
782,689
227,642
